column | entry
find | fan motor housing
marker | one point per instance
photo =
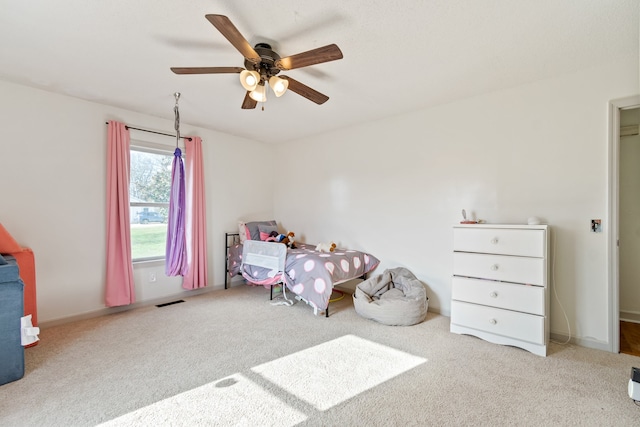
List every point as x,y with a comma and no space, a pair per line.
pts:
268,57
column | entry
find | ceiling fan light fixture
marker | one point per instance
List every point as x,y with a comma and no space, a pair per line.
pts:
259,94
262,64
249,79
278,85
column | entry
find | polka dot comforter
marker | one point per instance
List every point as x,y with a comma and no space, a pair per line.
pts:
308,273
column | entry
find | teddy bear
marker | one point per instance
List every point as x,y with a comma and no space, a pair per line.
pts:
289,240
326,247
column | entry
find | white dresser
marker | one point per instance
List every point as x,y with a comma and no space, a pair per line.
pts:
500,289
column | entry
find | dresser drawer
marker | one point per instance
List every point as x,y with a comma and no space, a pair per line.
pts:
515,269
527,299
520,242
512,324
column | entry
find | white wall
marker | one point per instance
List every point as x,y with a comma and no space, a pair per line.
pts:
53,178
395,187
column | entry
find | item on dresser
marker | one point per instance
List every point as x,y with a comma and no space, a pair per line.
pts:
500,287
465,220
534,220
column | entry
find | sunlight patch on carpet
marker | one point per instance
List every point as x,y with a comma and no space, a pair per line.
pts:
234,400
332,372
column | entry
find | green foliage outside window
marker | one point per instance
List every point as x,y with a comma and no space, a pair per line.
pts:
149,192
150,179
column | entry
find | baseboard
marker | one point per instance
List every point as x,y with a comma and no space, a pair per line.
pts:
630,316
582,342
438,310
112,310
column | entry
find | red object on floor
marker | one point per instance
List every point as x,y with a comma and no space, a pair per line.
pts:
27,265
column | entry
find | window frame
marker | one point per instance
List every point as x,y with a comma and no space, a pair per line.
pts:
151,148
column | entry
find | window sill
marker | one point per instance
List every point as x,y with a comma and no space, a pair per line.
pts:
148,262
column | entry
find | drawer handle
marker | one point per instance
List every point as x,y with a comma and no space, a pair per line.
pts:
494,240
493,294
494,267
493,321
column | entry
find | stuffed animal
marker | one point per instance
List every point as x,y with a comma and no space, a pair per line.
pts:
274,236
326,247
289,240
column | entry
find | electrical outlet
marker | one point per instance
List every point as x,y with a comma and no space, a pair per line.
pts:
152,277
596,225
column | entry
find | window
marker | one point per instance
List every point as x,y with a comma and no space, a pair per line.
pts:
149,190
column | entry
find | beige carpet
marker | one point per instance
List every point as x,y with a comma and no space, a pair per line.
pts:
230,358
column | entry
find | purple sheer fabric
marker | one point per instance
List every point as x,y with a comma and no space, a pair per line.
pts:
176,263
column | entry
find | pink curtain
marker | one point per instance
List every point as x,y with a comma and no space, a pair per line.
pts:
195,216
120,288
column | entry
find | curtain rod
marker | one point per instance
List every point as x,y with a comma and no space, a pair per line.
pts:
153,131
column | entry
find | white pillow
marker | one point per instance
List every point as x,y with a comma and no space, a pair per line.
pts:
242,231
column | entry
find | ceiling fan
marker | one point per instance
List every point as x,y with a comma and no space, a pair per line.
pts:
262,64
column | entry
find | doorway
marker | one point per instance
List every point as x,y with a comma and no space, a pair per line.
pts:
624,217
629,231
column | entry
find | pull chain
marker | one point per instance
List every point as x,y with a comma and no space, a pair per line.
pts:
177,118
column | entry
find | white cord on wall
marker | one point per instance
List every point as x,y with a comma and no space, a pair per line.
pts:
553,285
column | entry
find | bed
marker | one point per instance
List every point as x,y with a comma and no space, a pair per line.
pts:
309,274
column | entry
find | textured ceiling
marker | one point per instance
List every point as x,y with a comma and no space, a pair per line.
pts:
398,55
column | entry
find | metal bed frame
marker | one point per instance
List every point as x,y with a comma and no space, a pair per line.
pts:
230,239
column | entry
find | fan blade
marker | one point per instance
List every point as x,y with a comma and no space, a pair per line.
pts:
226,27
306,91
315,56
206,70
248,103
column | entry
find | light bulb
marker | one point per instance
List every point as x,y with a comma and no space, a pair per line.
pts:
278,85
259,94
249,79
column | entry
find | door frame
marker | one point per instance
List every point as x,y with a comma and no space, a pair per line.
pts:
614,203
